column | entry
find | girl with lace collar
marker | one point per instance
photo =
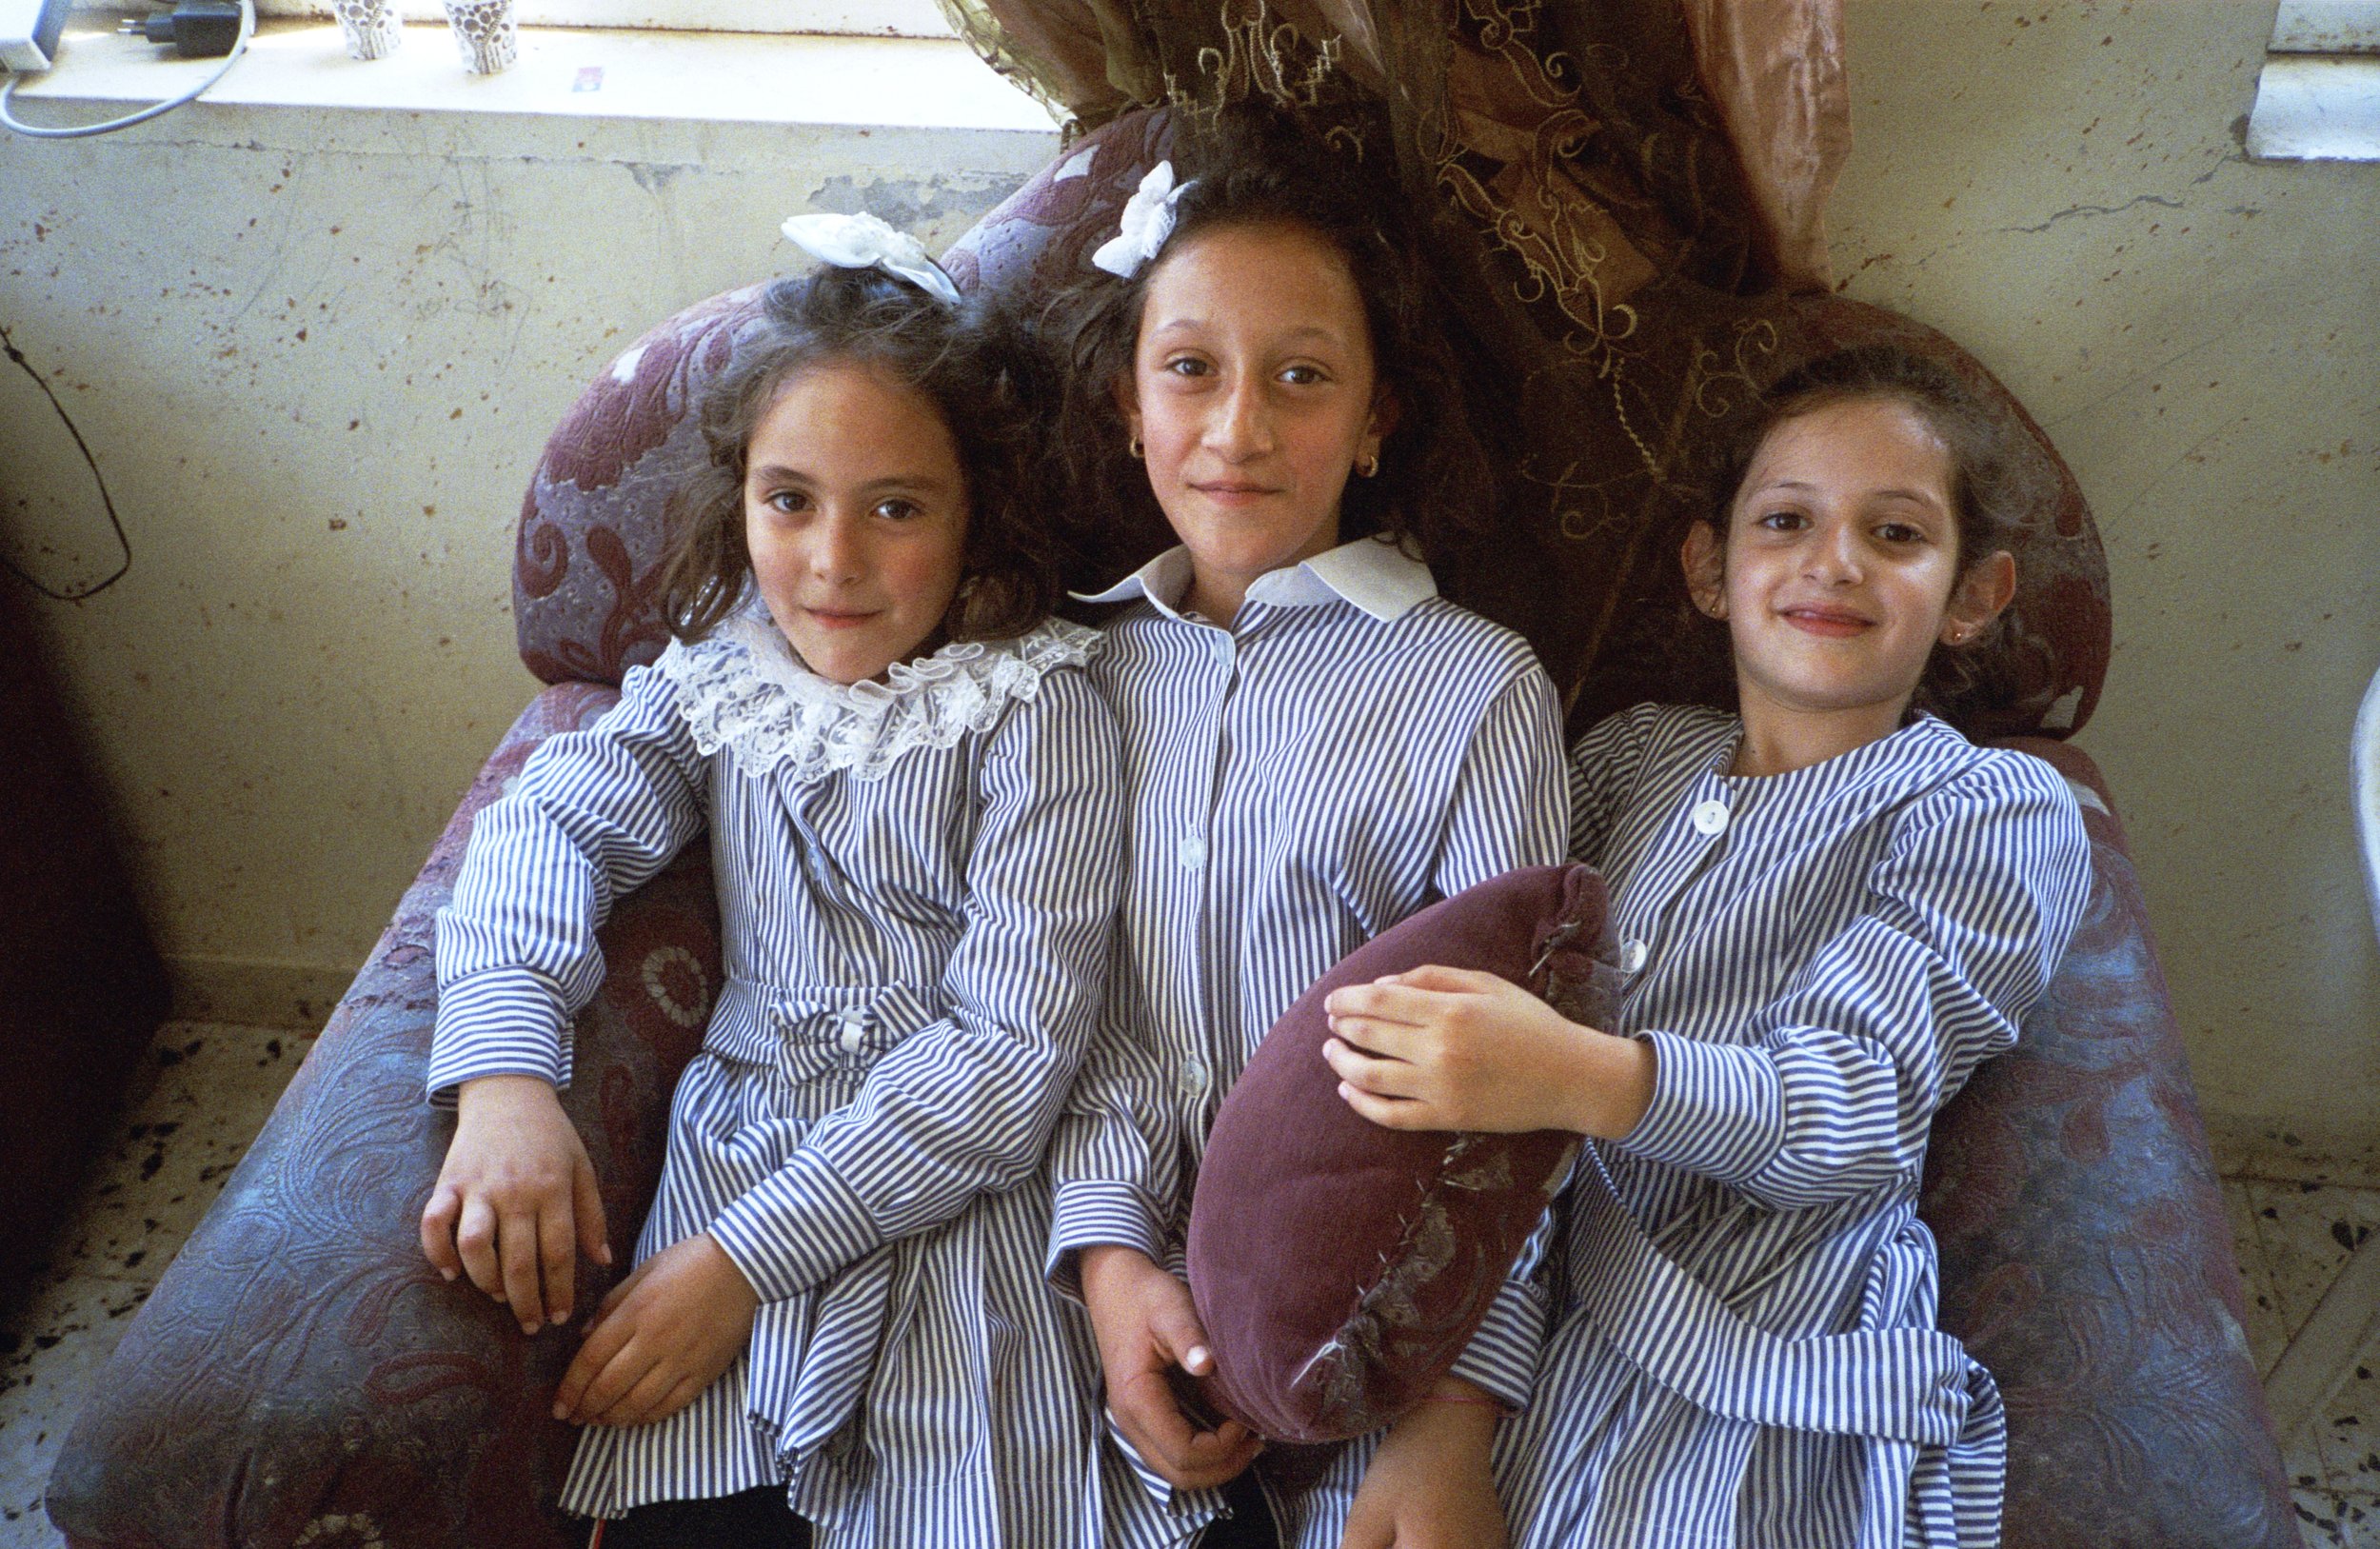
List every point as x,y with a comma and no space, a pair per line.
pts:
836,1324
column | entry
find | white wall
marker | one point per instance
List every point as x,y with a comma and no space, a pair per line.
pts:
2061,189
316,354
313,651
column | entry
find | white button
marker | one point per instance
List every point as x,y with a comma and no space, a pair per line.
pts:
1223,648
1710,817
850,1038
1632,956
1193,1079
1192,852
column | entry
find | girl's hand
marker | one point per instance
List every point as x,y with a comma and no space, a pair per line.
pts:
516,1201
1145,1325
1429,1486
663,1335
1449,1048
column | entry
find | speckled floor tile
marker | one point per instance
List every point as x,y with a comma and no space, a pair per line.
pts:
2302,1233
2306,1459
2348,1430
60,1342
2307,1231
202,1094
2267,1326
213,1087
2276,1152
2330,1520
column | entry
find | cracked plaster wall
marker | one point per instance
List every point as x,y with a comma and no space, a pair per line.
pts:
317,352
2061,189
316,356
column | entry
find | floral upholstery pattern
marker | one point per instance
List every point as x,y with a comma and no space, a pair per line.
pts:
305,1377
587,564
2086,1259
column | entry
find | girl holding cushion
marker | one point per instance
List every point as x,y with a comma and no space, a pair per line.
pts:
1831,907
1316,745
837,1318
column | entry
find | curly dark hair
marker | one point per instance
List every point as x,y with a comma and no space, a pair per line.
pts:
1253,163
964,359
1998,484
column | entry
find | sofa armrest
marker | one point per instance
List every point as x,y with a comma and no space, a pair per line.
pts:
301,1373
2086,1258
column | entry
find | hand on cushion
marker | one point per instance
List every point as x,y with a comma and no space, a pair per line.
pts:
1145,1325
1428,1487
1453,1048
516,1197
663,1335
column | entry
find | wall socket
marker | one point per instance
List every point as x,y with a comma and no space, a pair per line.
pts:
28,33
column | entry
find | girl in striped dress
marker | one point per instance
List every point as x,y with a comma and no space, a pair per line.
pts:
837,1319
1316,745
1831,907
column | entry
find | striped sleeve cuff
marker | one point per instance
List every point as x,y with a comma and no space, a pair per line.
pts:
1502,1356
1718,1109
795,1229
501,1022
1087,1215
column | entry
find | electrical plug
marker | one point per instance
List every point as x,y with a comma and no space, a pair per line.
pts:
197,28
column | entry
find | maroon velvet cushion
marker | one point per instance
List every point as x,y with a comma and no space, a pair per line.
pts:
1340,1267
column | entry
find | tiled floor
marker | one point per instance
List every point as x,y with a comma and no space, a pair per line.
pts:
208,1089
203,1093
2295,1223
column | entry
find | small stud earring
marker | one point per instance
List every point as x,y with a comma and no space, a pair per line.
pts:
1138,452
1370,467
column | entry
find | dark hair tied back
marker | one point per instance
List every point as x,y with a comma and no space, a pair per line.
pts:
1254,164
966,366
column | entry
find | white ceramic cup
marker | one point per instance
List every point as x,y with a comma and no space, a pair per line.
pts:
484,33
370,27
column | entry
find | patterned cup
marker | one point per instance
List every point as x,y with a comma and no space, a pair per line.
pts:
370,27
484,33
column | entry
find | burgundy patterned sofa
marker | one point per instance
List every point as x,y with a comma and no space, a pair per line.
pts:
302,1377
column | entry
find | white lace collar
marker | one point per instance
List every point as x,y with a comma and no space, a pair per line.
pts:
742,688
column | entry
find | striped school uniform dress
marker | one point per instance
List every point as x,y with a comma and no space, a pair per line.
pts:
1748,1354
917,884
1352,748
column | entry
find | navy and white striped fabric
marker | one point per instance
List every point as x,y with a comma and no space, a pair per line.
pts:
1748,1354
914,949
1351,748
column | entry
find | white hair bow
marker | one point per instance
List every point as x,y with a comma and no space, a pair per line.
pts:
1148,221
866,242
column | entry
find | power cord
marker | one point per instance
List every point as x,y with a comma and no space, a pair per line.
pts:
16,357
76,131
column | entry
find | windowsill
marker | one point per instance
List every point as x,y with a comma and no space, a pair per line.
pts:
728,77
2316,107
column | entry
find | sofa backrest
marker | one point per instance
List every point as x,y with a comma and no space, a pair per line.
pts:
1597,598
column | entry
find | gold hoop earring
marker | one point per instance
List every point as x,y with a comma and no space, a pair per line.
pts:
1370,467
1139,453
